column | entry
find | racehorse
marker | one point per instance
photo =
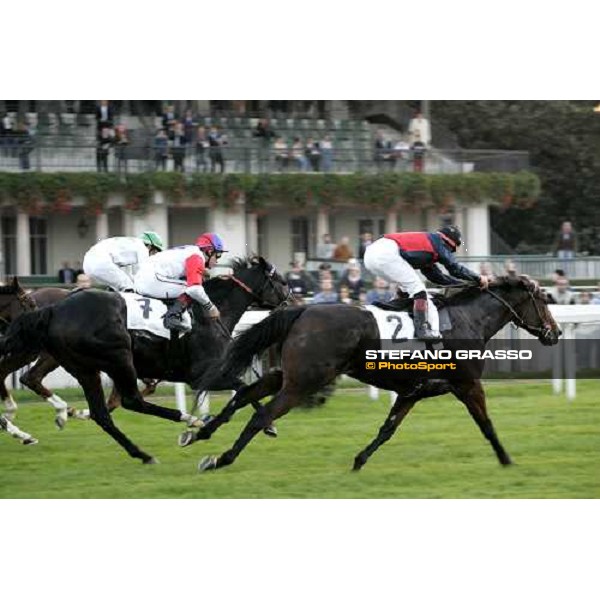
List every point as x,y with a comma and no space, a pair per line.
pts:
87,333
320,342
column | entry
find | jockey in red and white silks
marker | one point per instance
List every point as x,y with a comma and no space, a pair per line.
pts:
108,261
395,257
178,273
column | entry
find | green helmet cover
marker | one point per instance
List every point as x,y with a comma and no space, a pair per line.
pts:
151,238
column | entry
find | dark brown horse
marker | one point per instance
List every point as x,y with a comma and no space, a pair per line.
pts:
320,342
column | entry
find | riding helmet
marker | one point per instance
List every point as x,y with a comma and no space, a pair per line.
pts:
210,241
451,235
152,239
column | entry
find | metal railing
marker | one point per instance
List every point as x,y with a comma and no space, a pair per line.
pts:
69,154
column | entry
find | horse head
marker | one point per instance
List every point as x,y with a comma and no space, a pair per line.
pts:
528,304
14,301
261,279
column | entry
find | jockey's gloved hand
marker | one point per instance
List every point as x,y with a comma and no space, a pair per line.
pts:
483,282
213,312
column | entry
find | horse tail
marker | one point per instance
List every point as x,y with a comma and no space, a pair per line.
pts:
27,333
258,338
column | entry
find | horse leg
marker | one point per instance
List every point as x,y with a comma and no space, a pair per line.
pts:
397,413
114,400
472,395
281,404
250,394
33,380
9,365
150,386
92,387
24,437
125,380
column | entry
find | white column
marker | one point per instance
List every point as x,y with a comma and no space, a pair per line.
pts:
391,221
23,249
156,218
231,226
322,224
477,235
252,232
570,365
101,226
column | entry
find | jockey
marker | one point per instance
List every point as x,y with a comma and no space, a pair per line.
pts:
179,273
395,257
109,261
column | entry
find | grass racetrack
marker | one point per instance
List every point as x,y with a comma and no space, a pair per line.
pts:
438,452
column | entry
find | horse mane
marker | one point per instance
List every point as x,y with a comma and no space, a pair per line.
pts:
502,282
8,289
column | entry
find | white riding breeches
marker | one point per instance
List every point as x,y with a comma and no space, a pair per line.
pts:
148,283
101,268
383,259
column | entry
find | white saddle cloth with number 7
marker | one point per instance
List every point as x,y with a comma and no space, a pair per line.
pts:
146,314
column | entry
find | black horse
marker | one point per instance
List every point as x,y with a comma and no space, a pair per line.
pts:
87,334
320,342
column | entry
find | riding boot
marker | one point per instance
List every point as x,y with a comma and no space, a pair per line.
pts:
422,328
173,318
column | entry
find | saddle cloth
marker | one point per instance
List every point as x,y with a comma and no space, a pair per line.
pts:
146,314
398,326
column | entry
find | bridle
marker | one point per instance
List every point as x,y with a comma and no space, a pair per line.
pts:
543,332
26,302
258,297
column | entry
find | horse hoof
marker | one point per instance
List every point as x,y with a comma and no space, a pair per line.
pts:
151,461
30,441
187,438
208,463
271,431
358,464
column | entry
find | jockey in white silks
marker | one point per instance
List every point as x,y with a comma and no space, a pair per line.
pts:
178,273
395,257
114,261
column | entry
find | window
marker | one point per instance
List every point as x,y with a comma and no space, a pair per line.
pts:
261,235
9,245
374,226
38,244
300,235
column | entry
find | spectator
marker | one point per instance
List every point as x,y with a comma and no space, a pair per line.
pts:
121,142
402,153
485,268
418,129
299,281
103,146
558,273
161,149
297,154
345,295
585,297
281,153
342,250
189,127
325,272
24,142
66,274
326,295
104,116
418,150
83,281
178,147
7,127
380,292
201,146
313,154
352,278
366,239
510,268
216,141
265,134
326,248
565,244
169,118
562,294
78,268
596,295
379,152
327,154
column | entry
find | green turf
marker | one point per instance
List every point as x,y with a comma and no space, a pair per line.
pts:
437,453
